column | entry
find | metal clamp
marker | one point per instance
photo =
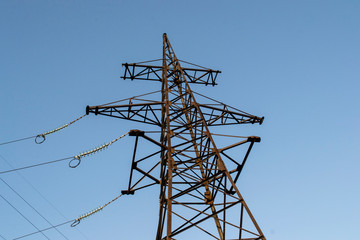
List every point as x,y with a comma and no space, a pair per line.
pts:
77,162
40,138
75,223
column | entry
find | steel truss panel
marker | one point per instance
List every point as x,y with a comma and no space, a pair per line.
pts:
153,73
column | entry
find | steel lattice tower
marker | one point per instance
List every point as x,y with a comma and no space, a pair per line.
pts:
197,191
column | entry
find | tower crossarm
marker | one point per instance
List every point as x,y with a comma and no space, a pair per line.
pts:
149,112
154,73
222,115
139,112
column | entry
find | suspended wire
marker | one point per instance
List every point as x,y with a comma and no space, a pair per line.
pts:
130,98
17,140
2,237
32,207
193,64
41,137
155,131
77,221
75,160
160,59
43,230
23,215
35,165
221,103
225,135
33,187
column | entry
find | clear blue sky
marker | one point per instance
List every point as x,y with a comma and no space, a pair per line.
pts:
294,62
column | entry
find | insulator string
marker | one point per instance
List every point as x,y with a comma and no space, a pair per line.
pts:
76,158
86,215
41,137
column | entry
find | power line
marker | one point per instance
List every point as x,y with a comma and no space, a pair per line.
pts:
75,221
32,207
2,237
43,197
35,165
43,230
22,215
17,140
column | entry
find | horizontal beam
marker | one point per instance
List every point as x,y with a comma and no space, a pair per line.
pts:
135,71
150,112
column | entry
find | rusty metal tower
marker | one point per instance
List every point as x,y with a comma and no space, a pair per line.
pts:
198,193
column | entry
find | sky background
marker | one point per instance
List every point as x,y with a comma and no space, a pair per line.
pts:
294,62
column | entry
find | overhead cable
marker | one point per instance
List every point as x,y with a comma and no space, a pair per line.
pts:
17,140
43,230
42,196
75,221
35,165
220,102
32,207
23,215
130,98
77,158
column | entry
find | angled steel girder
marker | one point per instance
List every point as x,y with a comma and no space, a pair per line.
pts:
198,194
149,112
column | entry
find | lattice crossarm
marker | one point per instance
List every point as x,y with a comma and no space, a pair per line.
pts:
140,112
142,72
134,71
215,116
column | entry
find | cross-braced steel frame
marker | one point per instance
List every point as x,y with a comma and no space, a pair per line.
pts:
198,194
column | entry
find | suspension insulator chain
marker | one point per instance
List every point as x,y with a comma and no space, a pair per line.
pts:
77,221
41,137
77,159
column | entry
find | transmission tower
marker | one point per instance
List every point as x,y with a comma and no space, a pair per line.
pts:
198,193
